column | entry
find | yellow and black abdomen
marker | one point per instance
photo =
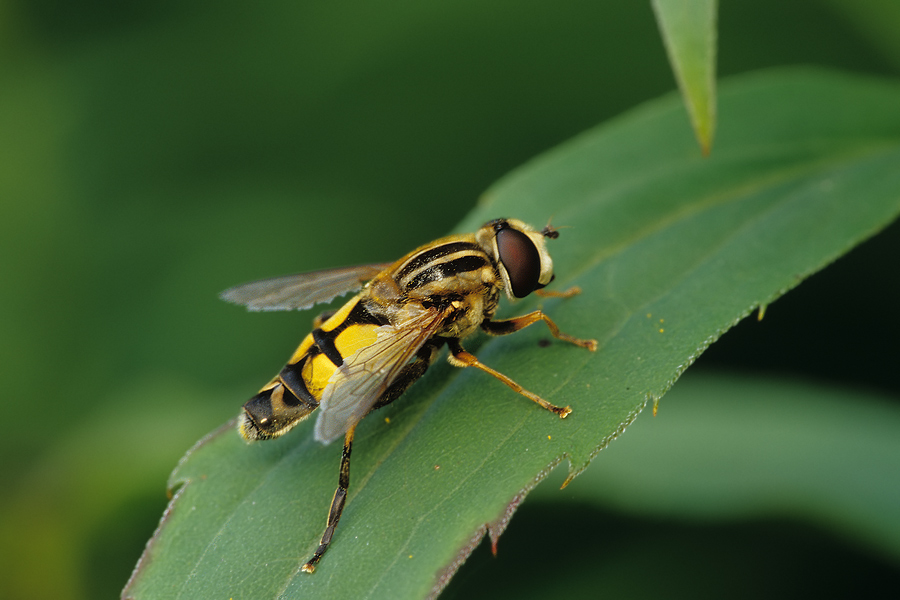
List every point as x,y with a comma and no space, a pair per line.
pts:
295,393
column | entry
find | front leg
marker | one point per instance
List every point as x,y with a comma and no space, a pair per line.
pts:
507,326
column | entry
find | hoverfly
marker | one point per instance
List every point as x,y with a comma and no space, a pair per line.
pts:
367,353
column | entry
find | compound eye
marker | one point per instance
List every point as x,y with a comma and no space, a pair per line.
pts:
521,260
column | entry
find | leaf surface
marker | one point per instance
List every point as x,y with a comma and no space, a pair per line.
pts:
670,250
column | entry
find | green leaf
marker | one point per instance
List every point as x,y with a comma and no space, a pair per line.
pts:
733,447
670,249
689,32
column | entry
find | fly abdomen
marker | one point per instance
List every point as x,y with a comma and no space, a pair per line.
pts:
297,392
325,338
272,412
325,343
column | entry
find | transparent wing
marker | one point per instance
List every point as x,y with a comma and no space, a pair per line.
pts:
303,290
358,384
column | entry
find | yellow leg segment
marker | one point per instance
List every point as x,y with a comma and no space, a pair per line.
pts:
460,358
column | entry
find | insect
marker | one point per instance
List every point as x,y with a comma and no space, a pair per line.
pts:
367,353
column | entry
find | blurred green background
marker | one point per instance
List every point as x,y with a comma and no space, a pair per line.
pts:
154,154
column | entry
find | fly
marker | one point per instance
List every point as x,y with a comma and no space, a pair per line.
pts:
367,353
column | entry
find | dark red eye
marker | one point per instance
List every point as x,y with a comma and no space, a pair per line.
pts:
521,259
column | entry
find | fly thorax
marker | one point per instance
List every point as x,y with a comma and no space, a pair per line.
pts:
383,290
466,316
491,300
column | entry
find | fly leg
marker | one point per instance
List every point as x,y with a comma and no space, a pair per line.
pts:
507,326
337,503
572,291
409,375
458,357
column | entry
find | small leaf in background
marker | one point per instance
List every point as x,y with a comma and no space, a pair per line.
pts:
671,249
688,29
